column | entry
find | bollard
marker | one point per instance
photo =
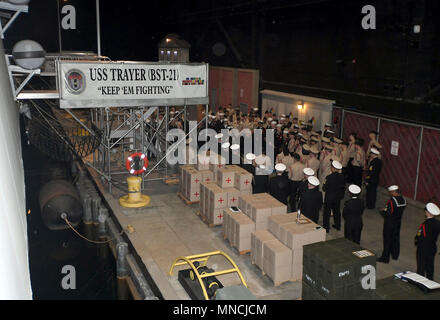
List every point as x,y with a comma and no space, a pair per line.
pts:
121,260
96,204
87,209
102,217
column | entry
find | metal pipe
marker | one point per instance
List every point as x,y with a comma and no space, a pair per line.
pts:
121,260
418,164
59,27
98,28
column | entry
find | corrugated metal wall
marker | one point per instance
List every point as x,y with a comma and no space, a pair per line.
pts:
429,171
361,124
233,86
417,179
400,169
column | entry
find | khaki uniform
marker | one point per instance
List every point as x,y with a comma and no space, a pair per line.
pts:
344,158
296,171
325,166
314,164
288,161
359,158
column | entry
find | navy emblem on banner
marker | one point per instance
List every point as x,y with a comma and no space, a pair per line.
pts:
76,81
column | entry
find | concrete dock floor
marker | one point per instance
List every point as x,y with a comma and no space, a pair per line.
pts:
168,228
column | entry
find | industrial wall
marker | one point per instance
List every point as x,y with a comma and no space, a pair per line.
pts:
233,86
410,153
315,109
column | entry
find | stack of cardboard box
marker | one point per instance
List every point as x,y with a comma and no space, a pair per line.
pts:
231,182
259,207
278,251
238,229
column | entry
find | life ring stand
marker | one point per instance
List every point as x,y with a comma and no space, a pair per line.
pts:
130,162
134,198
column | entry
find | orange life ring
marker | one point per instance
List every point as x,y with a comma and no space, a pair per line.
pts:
130,162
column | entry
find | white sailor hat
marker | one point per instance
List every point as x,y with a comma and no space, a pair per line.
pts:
262,166
235,147
328,124
260,159
393,188
331,132
172,118
336,165
282,118
250,156
255,109
314,181
269,119
283,115
280,167
273,122
286,131
309,171
218,136
221,114
354,189
432,209
375,151
226,145
279,125
172,112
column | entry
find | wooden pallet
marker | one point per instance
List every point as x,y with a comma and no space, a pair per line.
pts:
184,199
172,181
244,252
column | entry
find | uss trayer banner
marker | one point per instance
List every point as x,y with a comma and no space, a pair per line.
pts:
101,84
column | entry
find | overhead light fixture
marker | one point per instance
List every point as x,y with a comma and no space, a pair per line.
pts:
167,40
300,105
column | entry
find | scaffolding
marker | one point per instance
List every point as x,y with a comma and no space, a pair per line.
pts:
135,129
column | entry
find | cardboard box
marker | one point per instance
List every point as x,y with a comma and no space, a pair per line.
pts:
246,192
278,207
218,198
299,235
260,211
260,238
207,176
216,217
243,180
277,261
275,221
194,193
277,254
225,178
297,264
233,196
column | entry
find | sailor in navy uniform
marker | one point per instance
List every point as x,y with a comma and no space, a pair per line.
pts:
426,241
372,178
304,185
392,214
279,185
352,213
334,188
311,200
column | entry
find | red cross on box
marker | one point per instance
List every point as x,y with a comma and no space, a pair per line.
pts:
219,165
228,180
220,200
246,182
196,194
220,216
197,180
207,180
233,199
